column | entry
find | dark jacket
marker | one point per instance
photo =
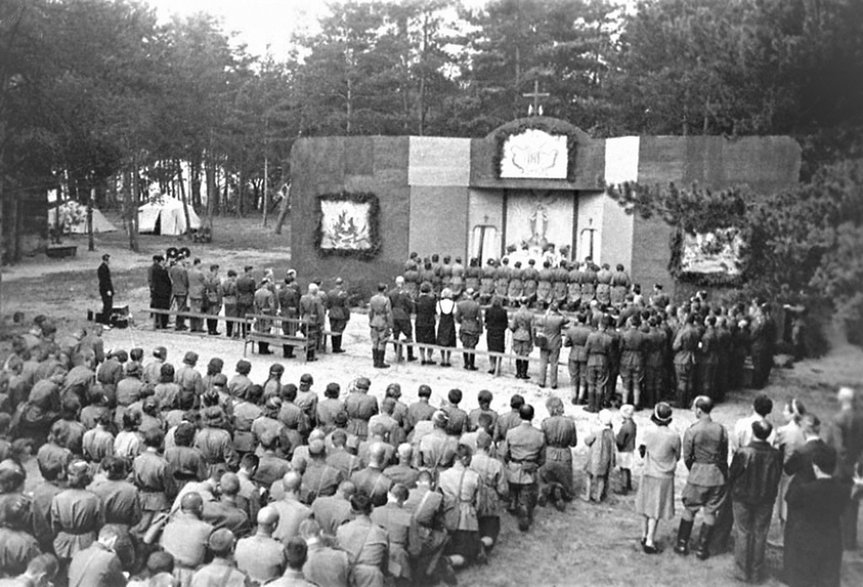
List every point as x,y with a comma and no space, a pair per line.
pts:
755,473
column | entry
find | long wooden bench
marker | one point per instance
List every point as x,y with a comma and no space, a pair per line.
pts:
275,337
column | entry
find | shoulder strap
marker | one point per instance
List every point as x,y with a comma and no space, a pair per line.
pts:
223,580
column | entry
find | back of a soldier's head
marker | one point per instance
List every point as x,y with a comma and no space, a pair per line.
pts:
525,412
291,482
192,503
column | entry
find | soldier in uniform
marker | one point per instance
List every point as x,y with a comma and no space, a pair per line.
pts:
468,315
366,544
446,272
559,287
549,327
598,347
501,278
261,556
179,290
576,338
360,407
523,452
656,341
472,275
396,520
545,279
457,282
381,324
412,278
340,314
620,283
245,295
487,282
213,298
186,537
427,275
685,346
603,285
312,316
265,305
402,305
560,438
705,453
288,296
229,299
588,281
530,277
196,295
521,325
709,363
154,478
371,481
516,285
76,514
573,287
633,344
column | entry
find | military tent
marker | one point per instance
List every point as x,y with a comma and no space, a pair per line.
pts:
165,215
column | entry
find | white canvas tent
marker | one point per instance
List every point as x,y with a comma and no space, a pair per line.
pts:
165,215
73,219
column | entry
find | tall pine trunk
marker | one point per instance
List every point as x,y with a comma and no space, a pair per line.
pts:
183,197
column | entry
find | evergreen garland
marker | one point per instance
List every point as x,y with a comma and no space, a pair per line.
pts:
693,211
374,225
552,126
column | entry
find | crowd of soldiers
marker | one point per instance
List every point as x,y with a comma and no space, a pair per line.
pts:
173,476
657,350
182,284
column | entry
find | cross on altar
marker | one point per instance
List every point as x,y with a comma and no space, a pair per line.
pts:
535,109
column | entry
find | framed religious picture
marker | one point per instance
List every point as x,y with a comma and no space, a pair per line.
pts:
348,225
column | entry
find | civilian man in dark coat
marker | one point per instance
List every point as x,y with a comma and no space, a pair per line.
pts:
813,536
160,291
754,479
106,290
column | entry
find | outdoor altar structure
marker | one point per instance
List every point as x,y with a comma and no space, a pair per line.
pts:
361,205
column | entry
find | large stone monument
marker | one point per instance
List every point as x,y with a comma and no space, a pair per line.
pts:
361,205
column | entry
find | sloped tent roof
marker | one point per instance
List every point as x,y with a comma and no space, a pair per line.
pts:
73,219
165,215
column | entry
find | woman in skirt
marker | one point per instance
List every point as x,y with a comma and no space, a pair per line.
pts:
655,498
425,323
446,325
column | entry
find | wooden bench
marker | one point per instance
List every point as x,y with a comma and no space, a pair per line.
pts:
61,251
299,342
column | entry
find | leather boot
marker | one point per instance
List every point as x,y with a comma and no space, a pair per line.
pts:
702,549
411,356
375,358
684,531
383,355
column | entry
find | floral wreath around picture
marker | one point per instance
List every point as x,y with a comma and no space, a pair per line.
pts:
548,125
348,225
695,211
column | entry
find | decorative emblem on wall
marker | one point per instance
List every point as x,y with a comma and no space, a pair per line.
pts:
348,225
534,154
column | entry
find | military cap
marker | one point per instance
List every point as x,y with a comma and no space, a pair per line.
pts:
220,379
363,383
306,378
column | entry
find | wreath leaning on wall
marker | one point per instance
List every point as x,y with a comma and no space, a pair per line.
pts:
550,125
373,237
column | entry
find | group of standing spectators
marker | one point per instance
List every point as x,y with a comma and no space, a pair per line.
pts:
161,474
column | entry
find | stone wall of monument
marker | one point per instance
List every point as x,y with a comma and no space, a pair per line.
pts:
355,164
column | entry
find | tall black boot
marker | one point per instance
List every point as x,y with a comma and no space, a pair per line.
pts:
411,356
702,549
519,374
375,358
264,348
684,531
337,344
465,360
525,365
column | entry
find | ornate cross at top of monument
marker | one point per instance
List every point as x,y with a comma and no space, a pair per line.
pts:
535,109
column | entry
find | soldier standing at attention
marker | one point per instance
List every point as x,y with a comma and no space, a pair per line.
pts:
380,323
487,282
685,346
530,278
289,308
196,295
457,283
521,325
312,316
106,290
550,326
337,302
523,452
229,297
213,298
468,315
598,347
265,305
576,338
705,452
544,285
245,295
402,305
